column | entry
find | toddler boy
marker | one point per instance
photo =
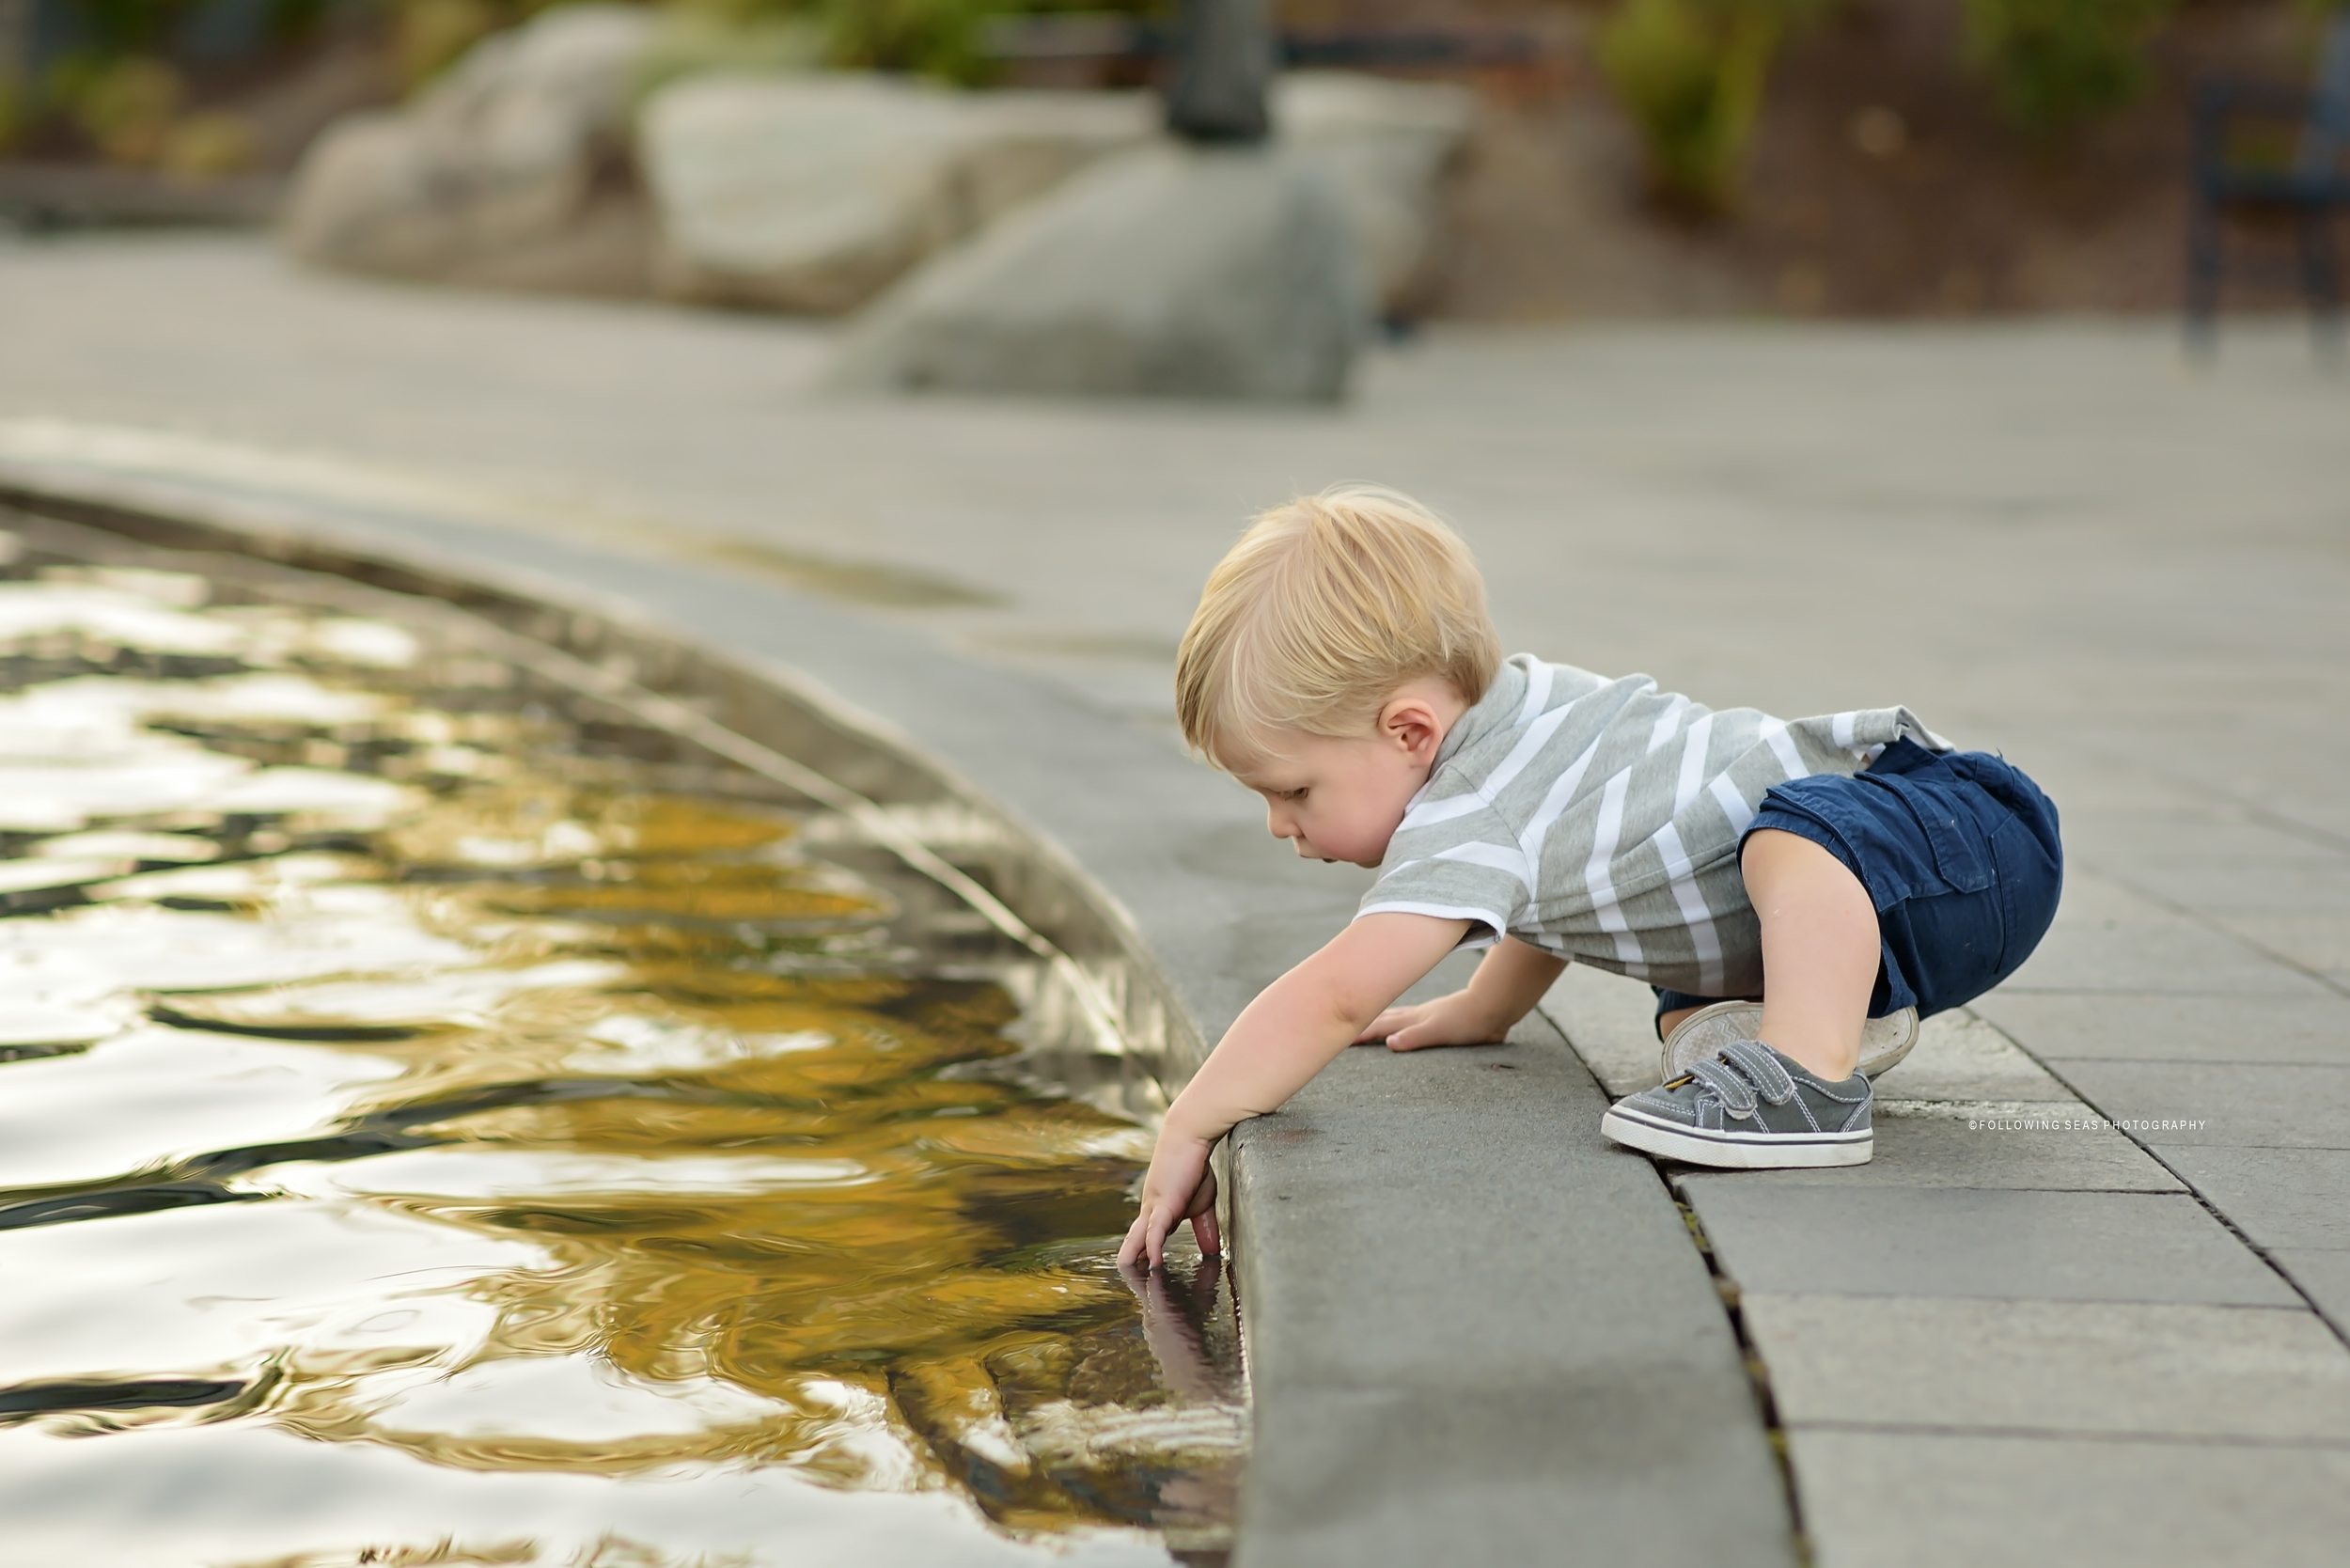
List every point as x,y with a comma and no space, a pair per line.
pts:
1835,870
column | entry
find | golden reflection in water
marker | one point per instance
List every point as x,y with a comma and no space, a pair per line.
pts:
756,1128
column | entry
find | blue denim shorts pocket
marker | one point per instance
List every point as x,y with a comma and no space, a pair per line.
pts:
1939,816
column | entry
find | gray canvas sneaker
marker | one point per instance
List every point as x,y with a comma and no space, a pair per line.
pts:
1747,1108
1699,1036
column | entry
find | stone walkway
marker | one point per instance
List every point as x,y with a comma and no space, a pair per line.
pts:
2000,1341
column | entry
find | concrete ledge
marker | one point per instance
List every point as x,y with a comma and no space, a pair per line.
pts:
1477,1334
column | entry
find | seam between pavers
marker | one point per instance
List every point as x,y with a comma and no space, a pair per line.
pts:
2048,1065
1757,1369
1782,1431
1757,1365
2076,1435
2188,912
2266,816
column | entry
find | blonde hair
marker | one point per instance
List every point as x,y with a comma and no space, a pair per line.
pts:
1327,607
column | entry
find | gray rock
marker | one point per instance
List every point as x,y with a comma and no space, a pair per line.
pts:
1173,271
1389,148
499,161
813,193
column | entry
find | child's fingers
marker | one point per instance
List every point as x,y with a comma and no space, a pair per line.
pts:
1426,1032
1386,1024
1131,1248
1204,1232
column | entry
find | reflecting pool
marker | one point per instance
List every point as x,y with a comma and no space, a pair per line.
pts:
445,1119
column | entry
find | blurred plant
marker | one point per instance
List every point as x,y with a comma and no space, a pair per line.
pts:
117,27
428,36
2055,63
120,92
938,38
206,145
16,113
126,107
700,36
944,39
1692,75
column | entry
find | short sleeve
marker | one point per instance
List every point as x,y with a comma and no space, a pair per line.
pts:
1455,860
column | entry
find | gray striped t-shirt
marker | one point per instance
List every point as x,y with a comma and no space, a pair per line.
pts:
1600,819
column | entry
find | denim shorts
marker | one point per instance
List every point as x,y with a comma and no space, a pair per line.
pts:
1960,855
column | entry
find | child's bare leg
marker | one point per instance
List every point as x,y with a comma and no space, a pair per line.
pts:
1820,951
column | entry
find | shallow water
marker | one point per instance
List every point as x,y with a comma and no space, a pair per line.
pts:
444,1119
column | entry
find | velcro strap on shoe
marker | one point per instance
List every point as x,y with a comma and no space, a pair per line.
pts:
1726,1085
1761,1064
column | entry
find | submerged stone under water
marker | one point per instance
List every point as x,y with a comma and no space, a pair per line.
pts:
445,1119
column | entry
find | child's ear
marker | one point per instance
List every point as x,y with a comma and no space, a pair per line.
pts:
1412,722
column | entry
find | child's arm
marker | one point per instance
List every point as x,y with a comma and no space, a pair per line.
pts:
1505,988
1293,1030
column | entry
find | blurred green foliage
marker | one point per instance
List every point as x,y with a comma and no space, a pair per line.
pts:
121,91
2055,63
946,39
118,89
1692,75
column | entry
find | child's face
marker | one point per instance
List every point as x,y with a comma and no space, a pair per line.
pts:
1341,797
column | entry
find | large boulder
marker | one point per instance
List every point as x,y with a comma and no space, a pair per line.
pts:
814,193
496,172
1387,147
1174,271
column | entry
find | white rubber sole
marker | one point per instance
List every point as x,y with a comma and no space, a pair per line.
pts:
1883,1041
1728,1151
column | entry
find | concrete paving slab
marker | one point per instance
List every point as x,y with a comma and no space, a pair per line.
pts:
1611,1023
2106,938
2251,868
1934,1143
1771,1235
2312,1029
2324,1278
2184,827
2315,939
2185,1103
1560,1397
2279,1198
1960,1056
2070,1367
1877,1500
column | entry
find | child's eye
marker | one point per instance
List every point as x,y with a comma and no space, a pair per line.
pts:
1294,796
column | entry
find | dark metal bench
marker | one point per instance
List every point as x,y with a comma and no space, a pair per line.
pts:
2309,188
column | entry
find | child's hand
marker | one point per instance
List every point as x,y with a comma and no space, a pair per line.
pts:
1178,1186
1460,1019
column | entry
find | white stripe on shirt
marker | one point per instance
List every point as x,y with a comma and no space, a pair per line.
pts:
1733,804
1699,919
1499,857
1538,829
1529,746
1667,722
1595,873
1693,752
1537,694
1442,810
1486,918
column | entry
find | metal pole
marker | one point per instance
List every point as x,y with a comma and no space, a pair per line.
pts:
1223,65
